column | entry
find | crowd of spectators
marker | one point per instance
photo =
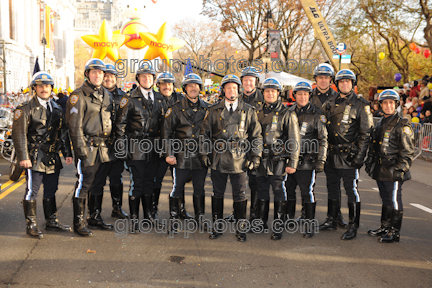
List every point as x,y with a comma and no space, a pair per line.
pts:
415,103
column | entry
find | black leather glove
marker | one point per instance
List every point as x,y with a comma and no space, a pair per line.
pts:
398,176
368,165
368,168
319,166
356,163
253,164
205,160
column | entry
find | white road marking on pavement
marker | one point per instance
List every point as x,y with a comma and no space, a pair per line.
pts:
424,208
375,189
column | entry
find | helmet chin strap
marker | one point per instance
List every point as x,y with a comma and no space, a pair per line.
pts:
325,90
352,88
345,93
395,111
232,98
190,97
250,92
88,79
390,114
145,87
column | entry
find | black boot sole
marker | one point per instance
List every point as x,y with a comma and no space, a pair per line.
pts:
98,226
119,215
328,228
276,237
84,234
39,236
51,228
345,237
241,238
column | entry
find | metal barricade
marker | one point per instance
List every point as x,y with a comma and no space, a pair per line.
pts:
425,143
417,128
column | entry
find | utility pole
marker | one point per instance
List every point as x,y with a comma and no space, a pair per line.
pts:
44,43
266,57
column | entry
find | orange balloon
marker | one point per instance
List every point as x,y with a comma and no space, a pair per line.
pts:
413,46
132,29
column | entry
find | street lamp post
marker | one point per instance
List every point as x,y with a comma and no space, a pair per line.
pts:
266,57
44,43
4,65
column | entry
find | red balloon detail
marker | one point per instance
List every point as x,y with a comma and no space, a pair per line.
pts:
427,53
417,50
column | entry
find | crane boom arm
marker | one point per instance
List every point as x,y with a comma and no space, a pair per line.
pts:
322,31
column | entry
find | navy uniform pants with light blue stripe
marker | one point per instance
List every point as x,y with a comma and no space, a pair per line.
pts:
181,176
113,170
305,179
278,186
391,194
34,181
142,176
85,176
350,179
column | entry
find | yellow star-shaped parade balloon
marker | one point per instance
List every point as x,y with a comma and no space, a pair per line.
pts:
160,44
106,44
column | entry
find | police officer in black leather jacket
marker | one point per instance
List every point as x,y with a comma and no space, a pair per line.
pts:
138,123
165,82
324,75
349,123
227,124
89,118
112,169
313,146
183,122
390,156
280,137
39,133
252,96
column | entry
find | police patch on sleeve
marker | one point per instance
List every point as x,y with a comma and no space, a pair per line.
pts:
73,99
367,109
123,102
168,112
323,119
17,114
407,130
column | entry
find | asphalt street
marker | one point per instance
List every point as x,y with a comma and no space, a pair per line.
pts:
153,259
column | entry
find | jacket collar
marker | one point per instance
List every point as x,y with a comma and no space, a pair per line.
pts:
278,106
309,108
241,105
256,96
391,120
34,102
350,98
185,103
